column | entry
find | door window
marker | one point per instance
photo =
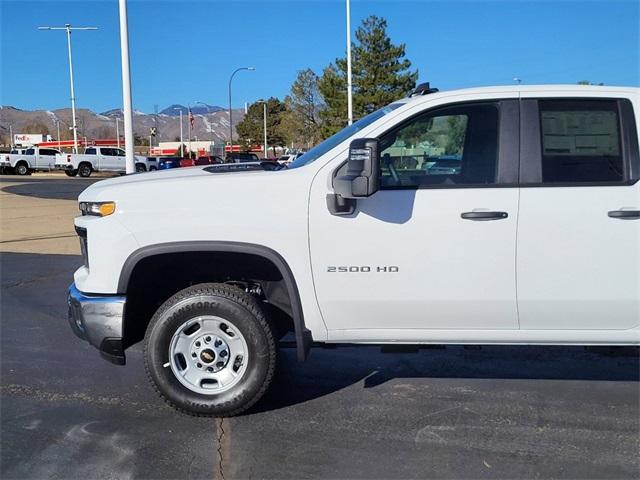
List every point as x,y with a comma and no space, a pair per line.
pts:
453,146
580,141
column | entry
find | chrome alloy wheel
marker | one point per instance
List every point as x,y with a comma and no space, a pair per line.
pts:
208,355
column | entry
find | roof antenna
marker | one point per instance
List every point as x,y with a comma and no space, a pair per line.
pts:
422,89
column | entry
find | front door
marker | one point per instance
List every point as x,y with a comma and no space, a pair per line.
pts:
579,227
435,247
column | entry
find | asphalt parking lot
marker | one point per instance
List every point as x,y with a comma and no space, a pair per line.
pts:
498,412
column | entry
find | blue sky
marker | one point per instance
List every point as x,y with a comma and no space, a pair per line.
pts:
183,51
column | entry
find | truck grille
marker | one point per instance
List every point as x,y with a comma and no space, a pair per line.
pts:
82,235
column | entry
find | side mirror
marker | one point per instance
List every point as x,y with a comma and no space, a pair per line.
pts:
362,178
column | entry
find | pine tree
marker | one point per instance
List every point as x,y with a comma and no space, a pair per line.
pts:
380,74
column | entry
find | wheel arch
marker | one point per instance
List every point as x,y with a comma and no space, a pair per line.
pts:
302,334
22,161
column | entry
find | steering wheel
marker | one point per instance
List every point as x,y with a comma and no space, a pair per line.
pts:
386,160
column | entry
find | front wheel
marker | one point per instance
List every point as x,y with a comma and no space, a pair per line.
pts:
140,168
210,350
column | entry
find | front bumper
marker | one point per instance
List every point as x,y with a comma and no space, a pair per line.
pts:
99,320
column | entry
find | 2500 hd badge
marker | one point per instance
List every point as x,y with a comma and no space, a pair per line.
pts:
364,269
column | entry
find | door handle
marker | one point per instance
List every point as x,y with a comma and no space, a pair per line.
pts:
625,214
484,216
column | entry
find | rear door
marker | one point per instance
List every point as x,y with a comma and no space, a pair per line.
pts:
107,158
578,251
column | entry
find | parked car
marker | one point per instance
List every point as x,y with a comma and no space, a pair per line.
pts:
165,163
533,239
288,158
239,157
31,160
100,159
204,160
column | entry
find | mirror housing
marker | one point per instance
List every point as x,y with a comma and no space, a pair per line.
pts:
362,178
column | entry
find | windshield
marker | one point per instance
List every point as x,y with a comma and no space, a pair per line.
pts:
333,141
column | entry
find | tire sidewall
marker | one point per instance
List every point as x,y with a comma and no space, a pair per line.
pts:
167,321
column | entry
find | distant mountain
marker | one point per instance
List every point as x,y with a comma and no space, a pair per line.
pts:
113,113
198,109
210,122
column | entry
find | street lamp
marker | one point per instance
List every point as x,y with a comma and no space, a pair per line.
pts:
230,112
264,117
68,28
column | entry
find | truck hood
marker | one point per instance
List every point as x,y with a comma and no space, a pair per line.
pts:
166,178
166,184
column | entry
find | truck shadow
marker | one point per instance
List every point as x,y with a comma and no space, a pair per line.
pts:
62,189
330,370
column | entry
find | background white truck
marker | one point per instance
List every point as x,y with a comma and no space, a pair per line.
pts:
503,215
32,159
100,159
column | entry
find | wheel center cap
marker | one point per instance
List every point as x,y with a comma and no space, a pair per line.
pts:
207,356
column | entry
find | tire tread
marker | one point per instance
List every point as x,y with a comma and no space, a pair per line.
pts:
253,308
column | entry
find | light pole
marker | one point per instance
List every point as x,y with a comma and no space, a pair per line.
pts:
189,127
181,148
68,28
58,127
349,84
264,118
210,128
126,88
118,131
230,112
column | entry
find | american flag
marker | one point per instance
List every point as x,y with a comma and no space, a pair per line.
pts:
191,119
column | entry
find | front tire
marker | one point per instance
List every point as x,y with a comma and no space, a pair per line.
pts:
140,168
210,350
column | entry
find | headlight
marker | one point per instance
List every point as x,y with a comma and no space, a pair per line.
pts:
99,209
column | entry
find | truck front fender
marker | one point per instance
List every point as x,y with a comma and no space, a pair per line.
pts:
302,334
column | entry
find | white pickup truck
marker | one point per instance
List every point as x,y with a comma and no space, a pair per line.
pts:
32,159
100,159
502,215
